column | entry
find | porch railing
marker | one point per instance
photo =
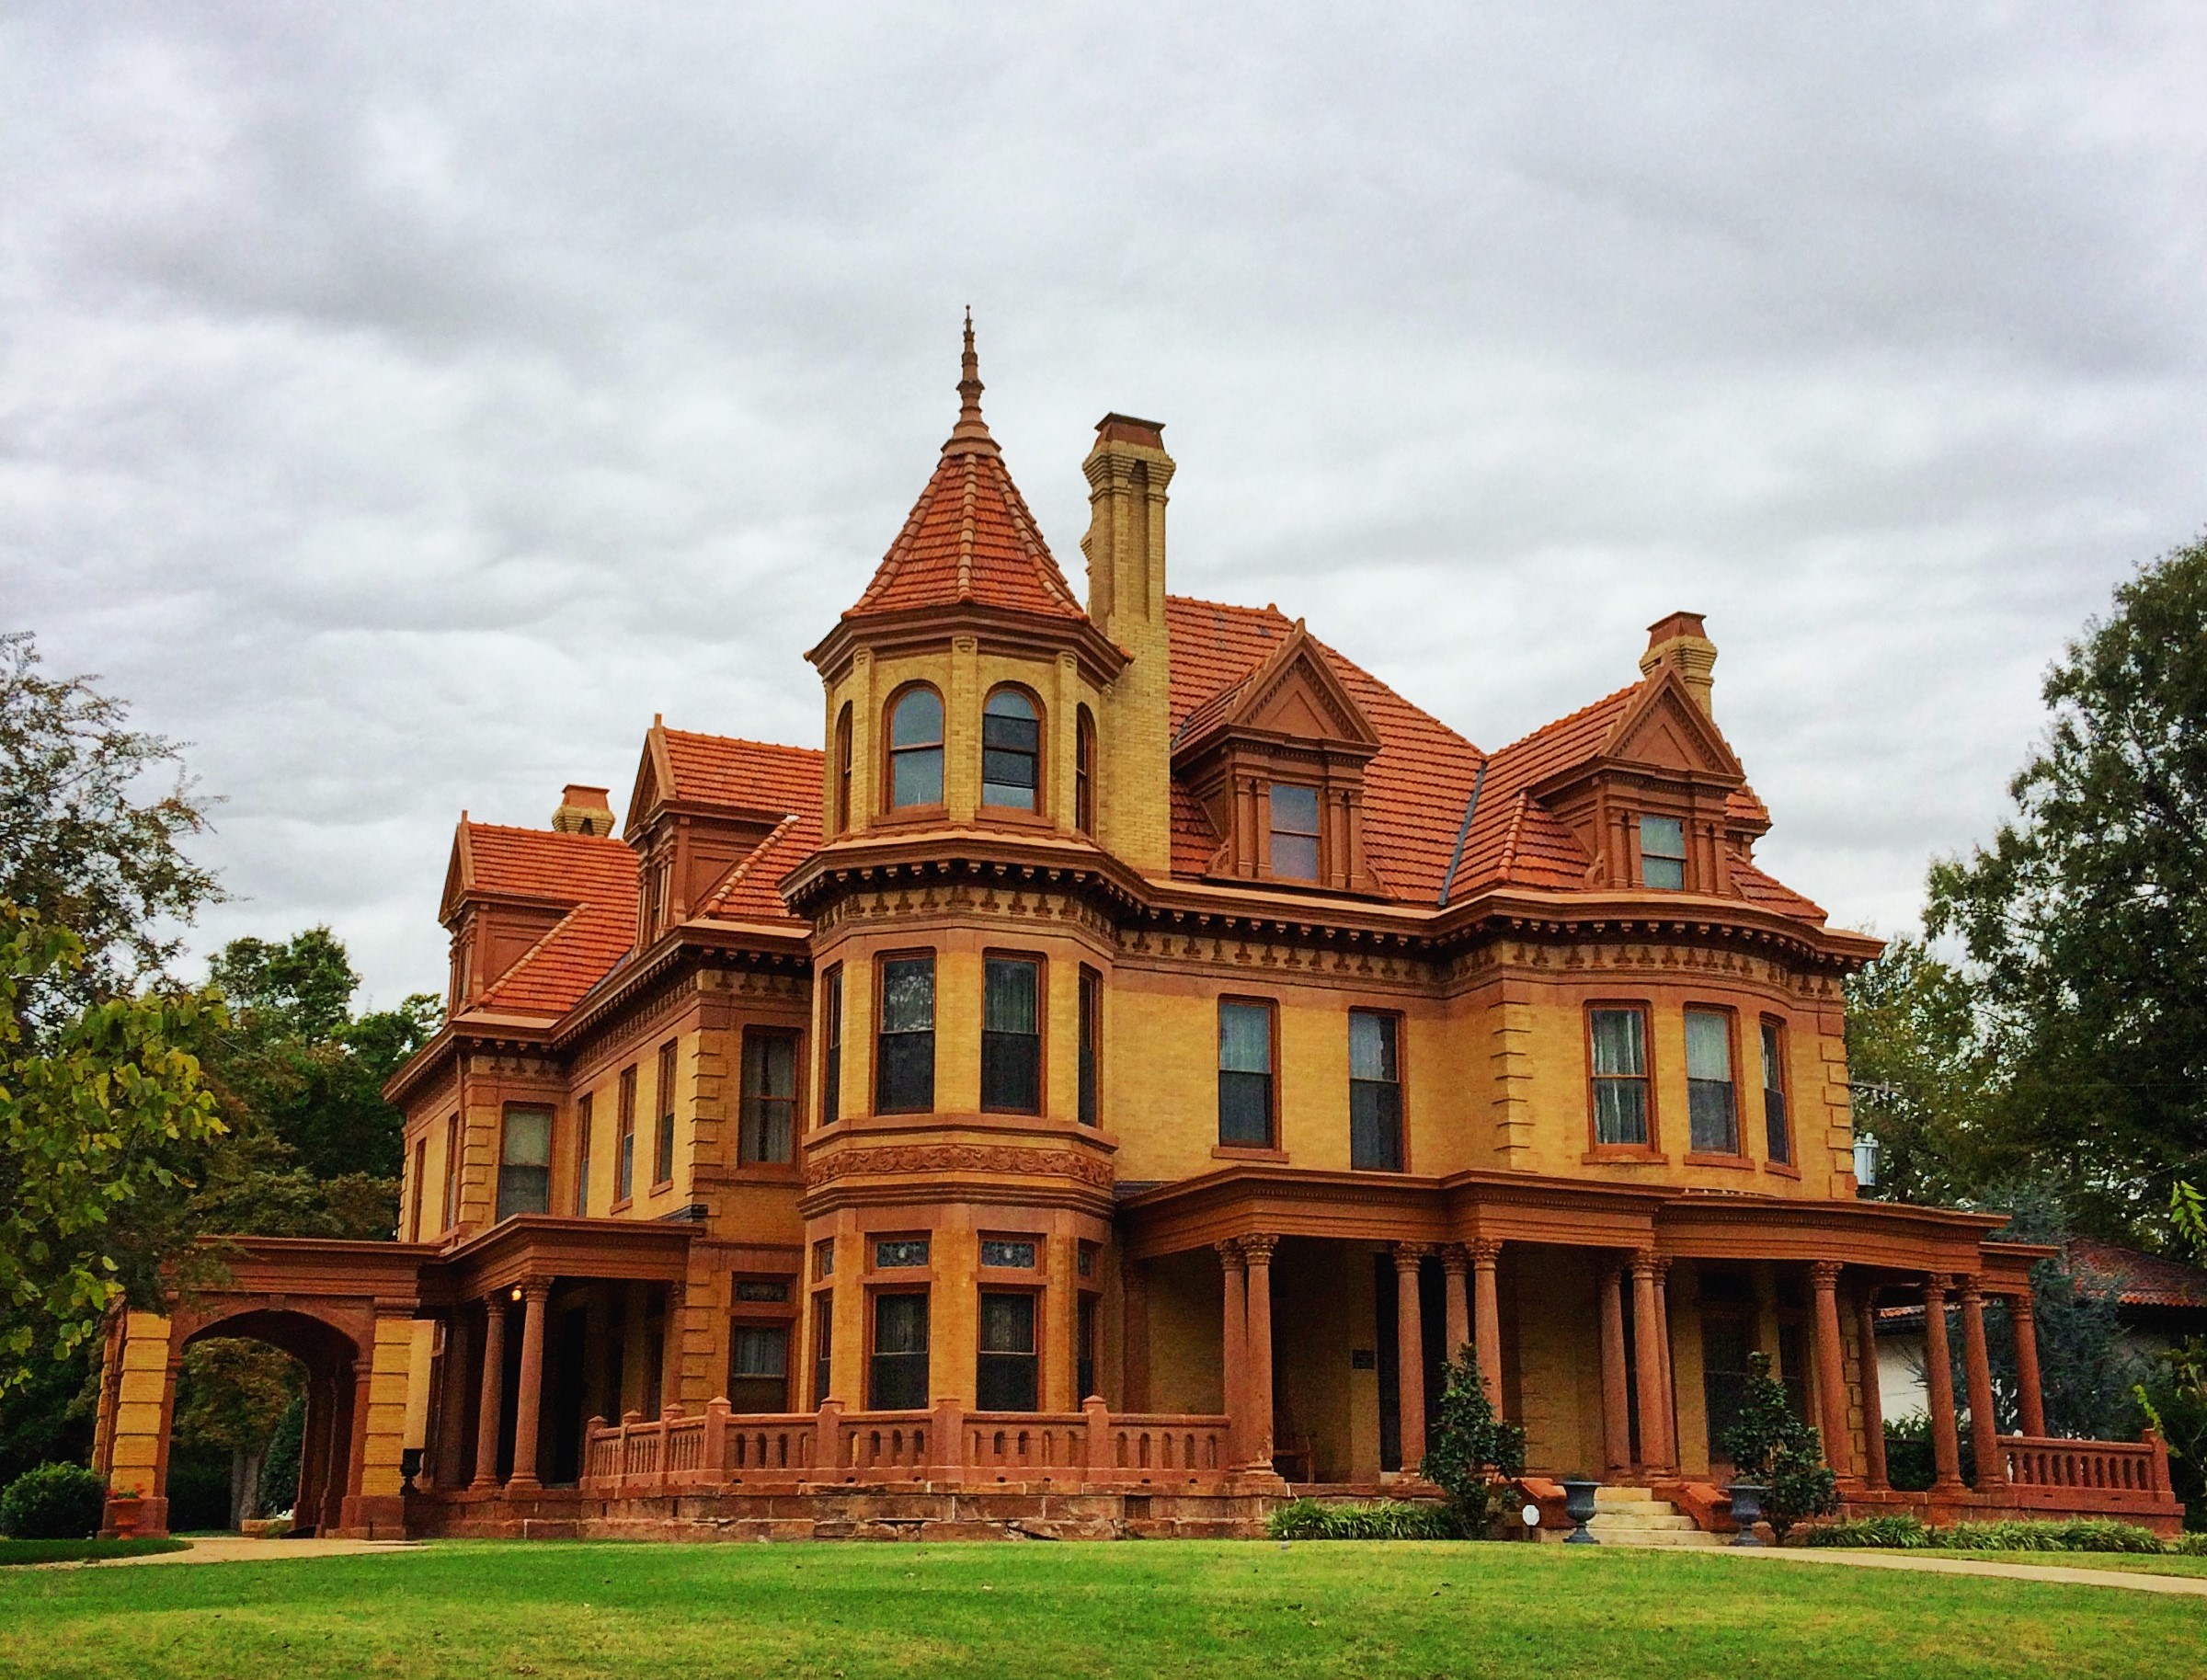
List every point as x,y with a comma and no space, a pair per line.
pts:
1089,1450
2115,1472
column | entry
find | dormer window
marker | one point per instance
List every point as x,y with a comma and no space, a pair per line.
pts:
1663,852
1294,832
1011,751
916,748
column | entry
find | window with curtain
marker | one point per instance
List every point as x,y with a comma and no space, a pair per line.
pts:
843,770
1084,771
1294,832
1245,1074
905,1048
766,1132
1012,1036
1375,1093
1713,1115
662,1157
832,1048
1663,852
1619,1057
525,1162
1011,751
896,1380
582,1154
1777,1131
624,1143
759,1367
1007,1375
916,750
1090,1097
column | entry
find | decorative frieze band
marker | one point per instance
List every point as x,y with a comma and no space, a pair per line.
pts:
995,1159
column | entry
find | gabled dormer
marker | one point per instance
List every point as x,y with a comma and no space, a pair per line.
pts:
536,914
1277,762
702,805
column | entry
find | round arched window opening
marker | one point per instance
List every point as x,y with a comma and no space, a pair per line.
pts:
843,770
1011,751
916,748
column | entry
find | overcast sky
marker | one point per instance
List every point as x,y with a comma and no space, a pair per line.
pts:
403,404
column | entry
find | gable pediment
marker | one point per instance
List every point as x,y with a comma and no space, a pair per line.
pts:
1294,696
1664,729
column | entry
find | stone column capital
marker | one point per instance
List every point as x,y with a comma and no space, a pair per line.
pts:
2020,1304
1408,1255
1646,1262
1935,1288
1258,1249
1825,1274
1230,1254
1968,1289
1486,1252
536,1290
1456,1259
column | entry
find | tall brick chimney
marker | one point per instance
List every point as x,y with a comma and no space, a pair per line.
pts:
583,810
1127,471
1680,642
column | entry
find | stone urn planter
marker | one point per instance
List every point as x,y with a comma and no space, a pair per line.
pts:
1746,1511
1578,1506
125,1508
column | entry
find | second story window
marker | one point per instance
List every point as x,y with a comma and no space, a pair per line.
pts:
766,1135
525,1163
1294,832
1245,1074
1084,771
583,1123
842,770
831,1051
1091,1098
1375,1093
1778,1131
421,1185
451,1173
1620,1062
624,1145
905,1049
1663,852
1012,1036
1011,751
916,750
662,1157
1712,1115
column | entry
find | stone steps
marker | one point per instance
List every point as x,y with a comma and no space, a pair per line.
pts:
1634,1516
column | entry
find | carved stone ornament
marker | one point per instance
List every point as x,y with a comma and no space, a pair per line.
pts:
1001,1159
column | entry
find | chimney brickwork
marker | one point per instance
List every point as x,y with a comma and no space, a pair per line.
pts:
1128,474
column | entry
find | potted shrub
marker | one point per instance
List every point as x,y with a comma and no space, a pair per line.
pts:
1780,1454
1469,1452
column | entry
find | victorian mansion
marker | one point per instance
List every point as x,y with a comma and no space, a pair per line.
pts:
1100,1088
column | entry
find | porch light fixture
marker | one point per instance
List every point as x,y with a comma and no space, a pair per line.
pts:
517,1292
1865,1160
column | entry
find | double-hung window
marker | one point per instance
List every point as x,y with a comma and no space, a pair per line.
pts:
452,1173
831,1048
897,1382
1011,751
1012,1036
1092,1048
1375,1093
823,1343
1777,1130
1245,1074
904,1048
662,1160
759,1367
1007,1373
1663,852
583,1124
766,1132
624,1145
1084,771
916,750
1294,832
421,1187
525,1163
1712,1112
1619,1062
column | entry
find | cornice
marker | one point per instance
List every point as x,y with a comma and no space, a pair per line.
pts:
999,630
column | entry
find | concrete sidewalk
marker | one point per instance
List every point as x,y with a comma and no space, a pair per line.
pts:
237,1548
2138,1580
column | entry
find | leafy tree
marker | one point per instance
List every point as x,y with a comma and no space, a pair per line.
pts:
1772,1448
84,844
1923,1072
1469,1450
2174,1399
2082,920
96,1122
231,1394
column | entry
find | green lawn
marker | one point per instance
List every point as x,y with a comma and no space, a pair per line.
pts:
1132,1609
2138,1563
77,1551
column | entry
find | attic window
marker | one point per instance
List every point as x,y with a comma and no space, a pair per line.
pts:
1294,832
1663,852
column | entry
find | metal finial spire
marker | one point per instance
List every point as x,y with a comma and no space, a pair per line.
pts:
970,435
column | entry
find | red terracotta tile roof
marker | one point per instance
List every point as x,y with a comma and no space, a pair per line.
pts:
1415,788
595,876
1759,888
751,775
750,892
1495,852
2138,1279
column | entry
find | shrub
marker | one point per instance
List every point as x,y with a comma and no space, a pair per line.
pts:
1901,1532
1469,1452
1905,1532
55,1502
1770,1446
2191,1545
1390,1519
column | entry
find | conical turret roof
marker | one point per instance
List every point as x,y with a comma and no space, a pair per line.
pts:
969,538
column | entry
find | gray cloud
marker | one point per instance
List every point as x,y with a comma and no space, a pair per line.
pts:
404,404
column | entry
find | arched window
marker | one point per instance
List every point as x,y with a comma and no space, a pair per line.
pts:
1084,771
916,748
843,770
1011,750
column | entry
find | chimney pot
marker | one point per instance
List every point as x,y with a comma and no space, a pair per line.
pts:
1680,641
583,810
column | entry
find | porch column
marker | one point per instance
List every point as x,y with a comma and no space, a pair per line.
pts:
1873,1401
1488,1321
356,1447
1617,1422
1456,1264
1831,1371
452,1405
670,1353
529,1405
494,1387
2031,1399
1939,1371
1257,1257
1647,1357
1234,1347
1410,1356
1985,1427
